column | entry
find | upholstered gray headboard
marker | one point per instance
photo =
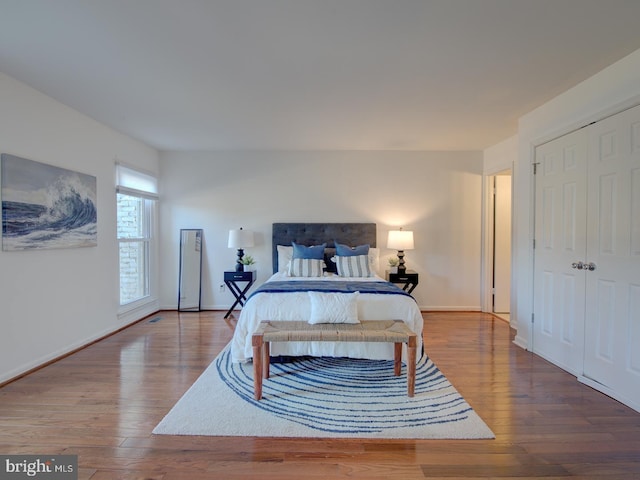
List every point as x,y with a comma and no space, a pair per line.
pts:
319,233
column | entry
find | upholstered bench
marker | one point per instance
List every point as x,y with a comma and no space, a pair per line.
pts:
393,331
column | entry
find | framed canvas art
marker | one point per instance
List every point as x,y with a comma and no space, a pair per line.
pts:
45,206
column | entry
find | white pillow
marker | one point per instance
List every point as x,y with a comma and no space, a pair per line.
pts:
334,307
355,266
285,254
374,259
306,267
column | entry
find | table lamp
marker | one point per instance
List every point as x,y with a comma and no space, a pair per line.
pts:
400,240
240,239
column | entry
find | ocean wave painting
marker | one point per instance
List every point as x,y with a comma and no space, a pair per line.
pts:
46,207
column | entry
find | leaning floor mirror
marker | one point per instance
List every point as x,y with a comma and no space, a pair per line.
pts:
190,276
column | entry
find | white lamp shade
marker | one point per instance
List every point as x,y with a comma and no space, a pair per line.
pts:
240,238
400,240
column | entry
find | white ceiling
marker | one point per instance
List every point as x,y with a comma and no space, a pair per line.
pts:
312,74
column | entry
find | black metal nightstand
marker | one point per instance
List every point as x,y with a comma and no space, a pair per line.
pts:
231,279
409,278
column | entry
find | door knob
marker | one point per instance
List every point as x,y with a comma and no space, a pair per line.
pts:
590,266
578,265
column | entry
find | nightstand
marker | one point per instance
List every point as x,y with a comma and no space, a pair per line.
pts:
409,278
231,279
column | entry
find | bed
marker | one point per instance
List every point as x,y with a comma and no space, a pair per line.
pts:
293,295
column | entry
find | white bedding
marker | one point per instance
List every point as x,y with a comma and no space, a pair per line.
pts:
296,306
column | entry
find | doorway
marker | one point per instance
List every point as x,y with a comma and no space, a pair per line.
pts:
500,225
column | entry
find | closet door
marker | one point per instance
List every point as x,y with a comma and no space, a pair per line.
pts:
612,321
560,244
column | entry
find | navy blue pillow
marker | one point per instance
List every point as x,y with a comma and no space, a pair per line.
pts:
316,251
347,251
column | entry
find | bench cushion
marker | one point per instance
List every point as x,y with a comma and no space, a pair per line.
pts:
392,331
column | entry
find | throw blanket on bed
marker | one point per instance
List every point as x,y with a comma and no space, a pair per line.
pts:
381,288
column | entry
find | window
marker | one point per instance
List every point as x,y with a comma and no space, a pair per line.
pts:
136,197
134,241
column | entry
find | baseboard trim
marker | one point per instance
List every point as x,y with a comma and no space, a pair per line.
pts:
57,356
521,342
607,391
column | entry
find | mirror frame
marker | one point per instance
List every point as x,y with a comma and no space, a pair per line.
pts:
184,268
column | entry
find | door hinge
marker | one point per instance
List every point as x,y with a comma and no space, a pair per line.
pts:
533,318
534,243
535,167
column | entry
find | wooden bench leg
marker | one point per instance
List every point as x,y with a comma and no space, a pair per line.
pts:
257,343
397,358
411,365
265,360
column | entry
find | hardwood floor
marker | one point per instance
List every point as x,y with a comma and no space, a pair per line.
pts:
102,403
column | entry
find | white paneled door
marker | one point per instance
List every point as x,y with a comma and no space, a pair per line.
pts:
560,229
612,326
587,255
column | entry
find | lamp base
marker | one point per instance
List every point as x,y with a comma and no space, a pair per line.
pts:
401,267
239,264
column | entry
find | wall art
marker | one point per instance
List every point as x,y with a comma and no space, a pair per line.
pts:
46,207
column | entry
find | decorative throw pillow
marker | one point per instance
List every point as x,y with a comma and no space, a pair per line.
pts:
357,266
333,307
347,251
315,251
374,261
306,267
285,254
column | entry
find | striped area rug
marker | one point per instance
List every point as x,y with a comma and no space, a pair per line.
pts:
323,397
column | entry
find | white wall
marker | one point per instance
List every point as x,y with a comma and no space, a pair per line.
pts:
52,301
501,156
436,194
611,90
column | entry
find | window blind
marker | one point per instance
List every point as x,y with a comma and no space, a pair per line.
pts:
135,182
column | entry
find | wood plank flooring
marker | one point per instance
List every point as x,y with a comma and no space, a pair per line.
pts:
103,402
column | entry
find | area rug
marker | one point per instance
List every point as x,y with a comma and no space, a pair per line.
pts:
323,397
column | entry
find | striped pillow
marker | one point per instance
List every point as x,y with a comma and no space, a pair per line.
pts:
353,266
306,267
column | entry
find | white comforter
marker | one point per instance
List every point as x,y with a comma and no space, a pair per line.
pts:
296,306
